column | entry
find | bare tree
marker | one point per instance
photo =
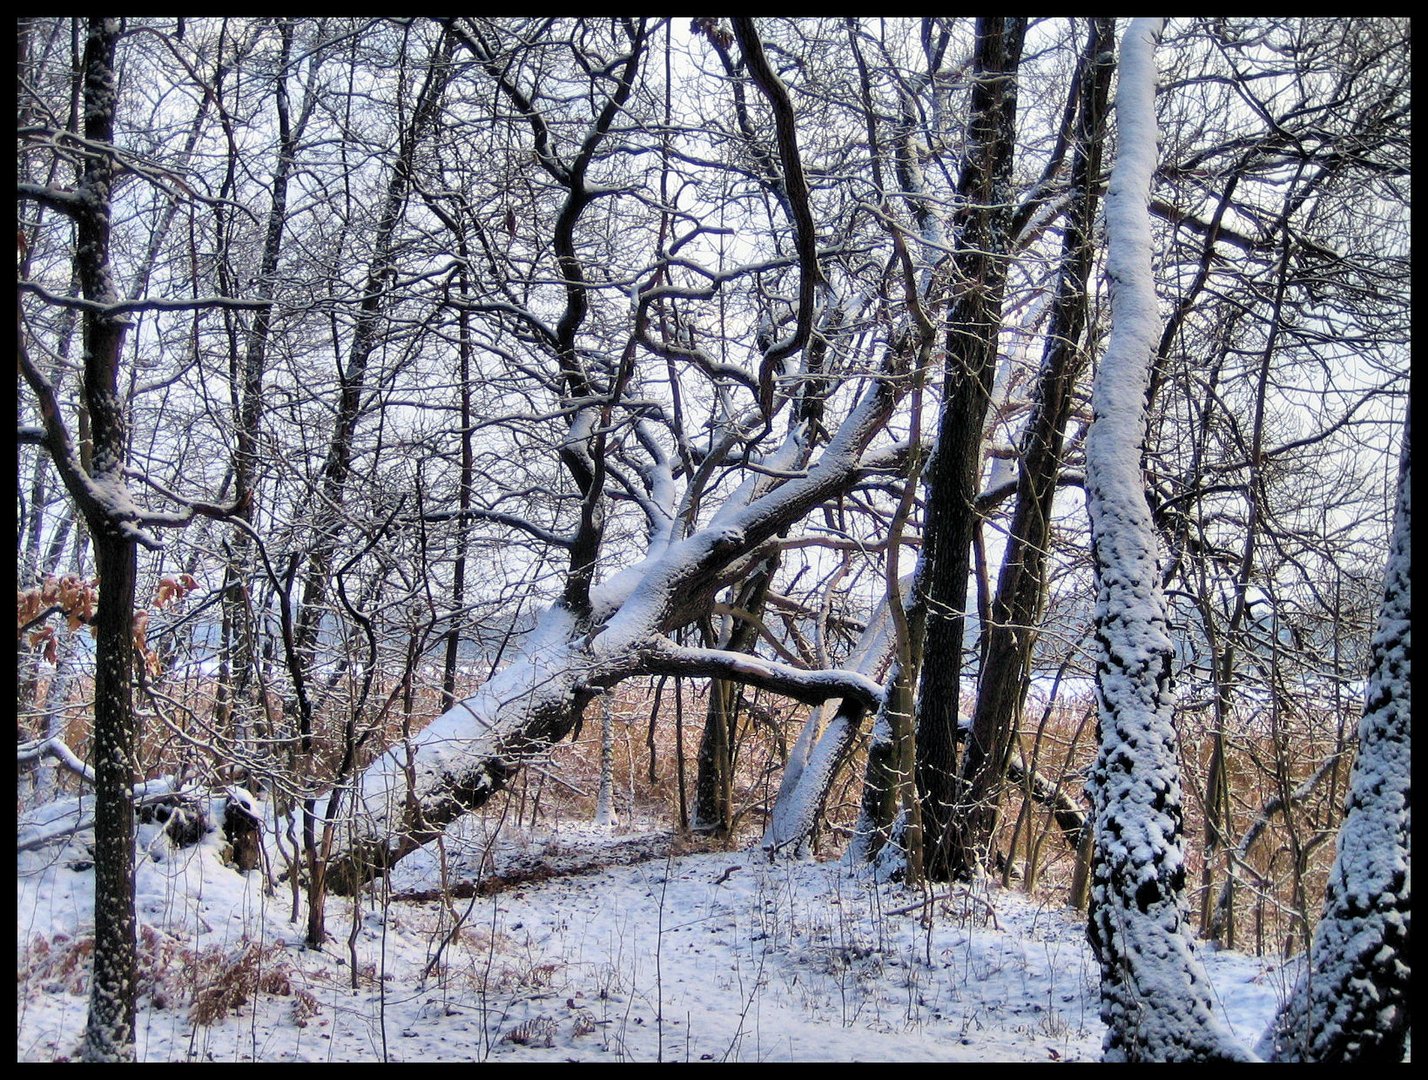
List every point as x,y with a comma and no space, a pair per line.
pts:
586,350
1155,997
88,444
596,636
249,361
1352,1002
1250,489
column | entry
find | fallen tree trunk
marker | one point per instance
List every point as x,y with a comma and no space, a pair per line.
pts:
406,797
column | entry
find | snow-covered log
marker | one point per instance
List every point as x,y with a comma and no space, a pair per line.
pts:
1155,999
1352,1003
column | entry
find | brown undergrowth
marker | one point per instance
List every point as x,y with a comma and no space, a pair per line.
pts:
212,982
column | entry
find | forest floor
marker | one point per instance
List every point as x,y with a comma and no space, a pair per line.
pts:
580,943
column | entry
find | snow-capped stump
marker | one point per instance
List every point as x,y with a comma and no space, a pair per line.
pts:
184,820
242,828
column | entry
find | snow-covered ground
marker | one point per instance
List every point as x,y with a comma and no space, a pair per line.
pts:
597,944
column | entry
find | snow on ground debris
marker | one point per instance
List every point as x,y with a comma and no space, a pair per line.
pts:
636,955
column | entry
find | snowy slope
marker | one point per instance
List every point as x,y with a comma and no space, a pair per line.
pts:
675,957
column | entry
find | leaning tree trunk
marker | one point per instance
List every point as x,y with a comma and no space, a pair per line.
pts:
826,743
1155,998
407,796
1351,1004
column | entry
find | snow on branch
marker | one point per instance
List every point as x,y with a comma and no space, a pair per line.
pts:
802,684
125,307
56,748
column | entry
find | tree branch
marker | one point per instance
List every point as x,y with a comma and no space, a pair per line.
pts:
808,686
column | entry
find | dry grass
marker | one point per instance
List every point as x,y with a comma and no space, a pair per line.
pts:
213,982
225,981
1288,864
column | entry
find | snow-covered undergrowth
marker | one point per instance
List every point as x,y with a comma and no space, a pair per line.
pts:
583,944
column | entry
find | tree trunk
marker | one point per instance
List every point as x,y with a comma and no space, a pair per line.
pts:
1155,998
605,804
236,693
714,782
1352,1003
1021,588
983,236
465,485
109,1030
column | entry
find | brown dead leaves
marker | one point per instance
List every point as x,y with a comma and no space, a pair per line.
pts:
74,599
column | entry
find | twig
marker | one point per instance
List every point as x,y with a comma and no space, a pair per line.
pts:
991,911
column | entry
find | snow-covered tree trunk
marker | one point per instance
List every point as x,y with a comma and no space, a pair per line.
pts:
90,452
1155,999
409,794
109,1031
824,744
1351,1004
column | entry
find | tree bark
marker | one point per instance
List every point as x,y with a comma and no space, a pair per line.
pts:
1021,587
109,1031
1352,1003
1155,998
983,237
